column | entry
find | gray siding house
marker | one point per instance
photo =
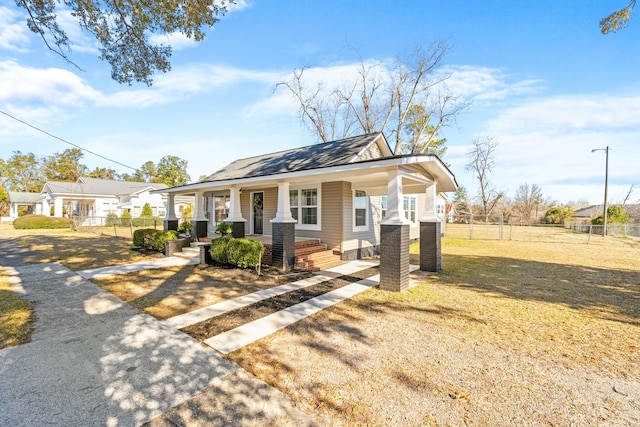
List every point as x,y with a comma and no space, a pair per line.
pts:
353,195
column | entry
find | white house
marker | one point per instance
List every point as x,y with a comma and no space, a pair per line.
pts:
95,198
353,195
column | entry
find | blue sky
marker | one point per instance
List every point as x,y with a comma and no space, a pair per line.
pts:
540,77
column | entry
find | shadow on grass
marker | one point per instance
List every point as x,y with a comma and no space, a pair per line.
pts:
82,252
610,294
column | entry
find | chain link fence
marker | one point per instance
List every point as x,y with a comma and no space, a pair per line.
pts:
495,227
113,226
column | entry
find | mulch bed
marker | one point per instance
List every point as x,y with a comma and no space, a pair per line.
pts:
225,322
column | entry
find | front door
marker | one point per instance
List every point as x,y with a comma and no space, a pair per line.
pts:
258,212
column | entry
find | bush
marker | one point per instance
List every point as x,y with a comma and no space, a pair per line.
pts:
218,249
185,226
40,221
146,211
125,219
223,228
557,215
160,239
140,237
111,219
614,214
242,253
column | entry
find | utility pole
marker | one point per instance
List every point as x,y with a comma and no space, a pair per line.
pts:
606,186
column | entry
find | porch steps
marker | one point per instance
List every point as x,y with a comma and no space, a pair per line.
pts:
317,260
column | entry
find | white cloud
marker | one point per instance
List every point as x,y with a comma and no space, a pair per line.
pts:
176,40
14,34
487,84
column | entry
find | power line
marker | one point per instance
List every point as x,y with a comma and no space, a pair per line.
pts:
67,142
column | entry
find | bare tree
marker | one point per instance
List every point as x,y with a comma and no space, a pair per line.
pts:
481,164
527,201
627,196
382,98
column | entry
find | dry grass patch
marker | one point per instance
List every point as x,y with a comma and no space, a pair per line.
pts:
168,292
76,250
511,333
16,316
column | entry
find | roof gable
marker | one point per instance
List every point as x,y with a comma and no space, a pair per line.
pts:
335,153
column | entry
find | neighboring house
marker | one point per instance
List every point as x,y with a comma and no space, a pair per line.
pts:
340,192
21,203
96,198
590,212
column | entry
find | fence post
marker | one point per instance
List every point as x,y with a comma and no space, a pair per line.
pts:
471,227
501,225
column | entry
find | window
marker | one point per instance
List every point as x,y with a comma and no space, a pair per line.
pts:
293,202
221,206
409,205
304,204
360,208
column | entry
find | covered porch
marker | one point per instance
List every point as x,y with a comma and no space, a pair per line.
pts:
324,205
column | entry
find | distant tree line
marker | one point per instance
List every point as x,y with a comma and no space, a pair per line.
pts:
28,172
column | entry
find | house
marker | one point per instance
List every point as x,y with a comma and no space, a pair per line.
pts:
587,214
22,203
353,195
96,198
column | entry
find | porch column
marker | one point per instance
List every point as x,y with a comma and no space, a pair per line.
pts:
199,220
13,210
57,207
430,235
394,240
46,210
171,220
235,219
283,232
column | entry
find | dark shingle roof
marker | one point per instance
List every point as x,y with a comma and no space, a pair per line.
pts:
316,156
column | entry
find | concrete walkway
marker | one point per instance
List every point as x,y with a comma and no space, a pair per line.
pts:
95,361
172,261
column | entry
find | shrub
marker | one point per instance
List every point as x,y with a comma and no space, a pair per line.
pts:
140,237
614,214
557,215
185,226
242,253
111,219
223,228
40,221
218,249
125,219
160,239
146,211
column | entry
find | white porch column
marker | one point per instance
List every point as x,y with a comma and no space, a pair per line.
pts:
431,204
199,220
430,233
394,239
13,211
171,208
46,210
57,207
283,214
234,218
283,234
395,212
170,220
235,211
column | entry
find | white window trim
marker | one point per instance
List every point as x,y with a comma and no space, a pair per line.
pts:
359,228
410,196
311,227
